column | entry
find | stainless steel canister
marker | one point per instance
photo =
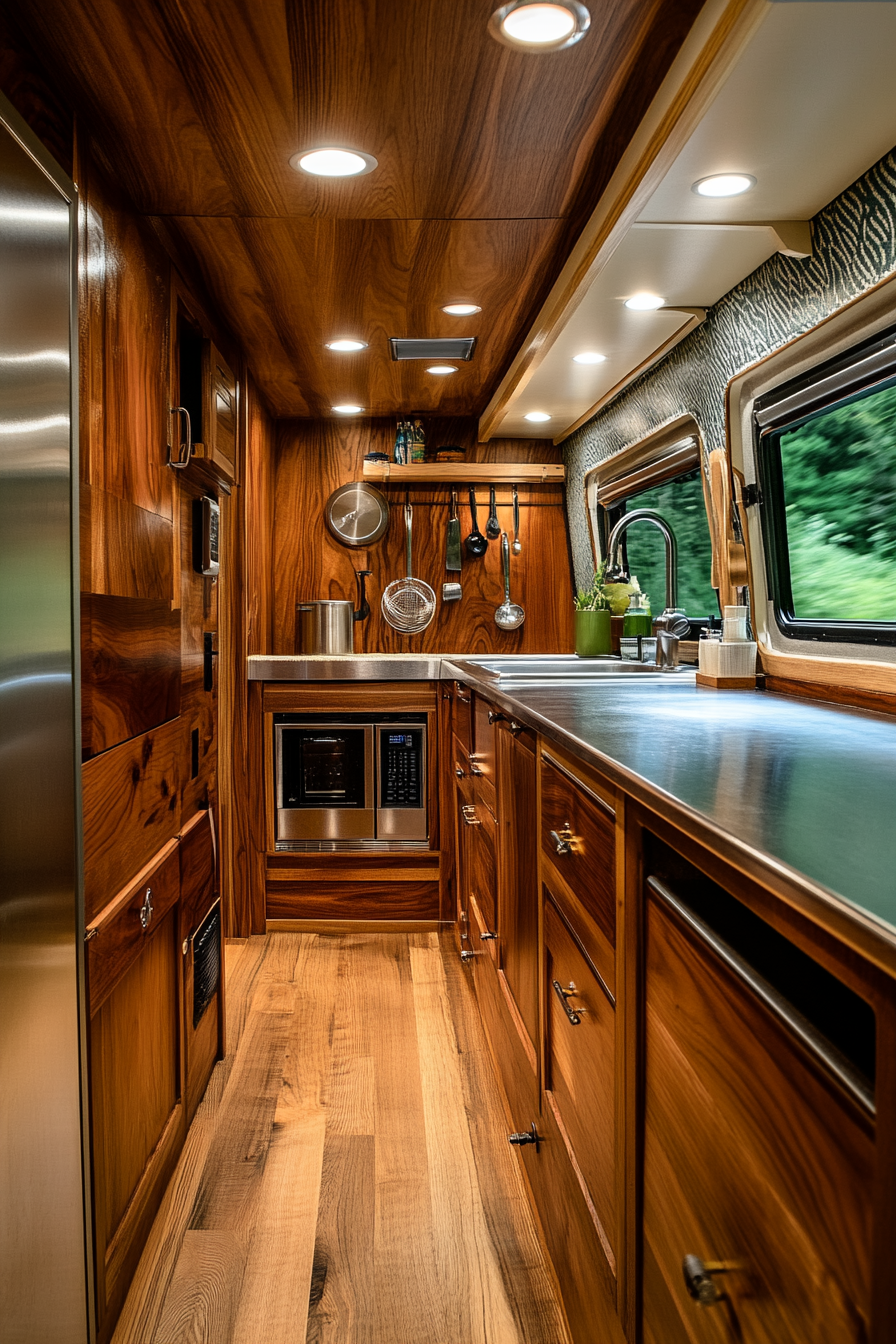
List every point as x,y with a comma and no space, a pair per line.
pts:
325,627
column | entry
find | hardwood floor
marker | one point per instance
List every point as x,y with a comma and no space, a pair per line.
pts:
347,1179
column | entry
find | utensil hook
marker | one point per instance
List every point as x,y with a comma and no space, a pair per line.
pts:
408,519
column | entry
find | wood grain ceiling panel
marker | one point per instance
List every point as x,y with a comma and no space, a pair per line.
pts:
374,279
208,101
490,161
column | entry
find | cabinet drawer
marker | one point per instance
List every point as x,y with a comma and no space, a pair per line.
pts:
585,827
462,714
753,1158
580,1055
118,934
485,716
482,880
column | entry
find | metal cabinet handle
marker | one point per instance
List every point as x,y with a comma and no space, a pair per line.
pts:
467,956
699,1282
488,937
495,716
460,773
574,1017
563,839
531,1135
185,448
469,814
464,699
146,910
515,727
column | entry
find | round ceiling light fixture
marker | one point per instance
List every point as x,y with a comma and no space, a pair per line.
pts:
333,161
588,357
442,368
724,184
540,25
461,309
346,346
347,409
537,417
644,302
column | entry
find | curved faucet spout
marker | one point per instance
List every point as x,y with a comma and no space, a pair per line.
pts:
659,522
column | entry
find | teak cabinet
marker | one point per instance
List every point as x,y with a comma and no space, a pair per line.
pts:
694,1072
149,1062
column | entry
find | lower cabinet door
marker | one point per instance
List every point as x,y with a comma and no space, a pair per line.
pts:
580,1054
587,1285
756,1167
138,1121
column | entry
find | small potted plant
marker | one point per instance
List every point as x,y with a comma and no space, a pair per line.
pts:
593,637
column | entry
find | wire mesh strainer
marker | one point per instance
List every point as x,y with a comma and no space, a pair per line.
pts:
408,604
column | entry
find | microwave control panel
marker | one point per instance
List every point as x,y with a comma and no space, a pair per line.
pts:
401,768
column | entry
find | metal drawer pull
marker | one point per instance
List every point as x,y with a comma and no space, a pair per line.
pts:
460,773
699,1281
467,956
563,839
563,994
470,818
531,1135
488,937
515,727
146,909
495,716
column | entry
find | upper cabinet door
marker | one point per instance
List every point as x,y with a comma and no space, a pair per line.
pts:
219,411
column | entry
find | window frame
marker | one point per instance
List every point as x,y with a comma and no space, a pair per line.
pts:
845,378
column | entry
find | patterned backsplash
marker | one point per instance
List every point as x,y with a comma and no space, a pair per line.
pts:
854,247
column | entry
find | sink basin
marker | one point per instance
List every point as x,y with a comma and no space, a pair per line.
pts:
570,668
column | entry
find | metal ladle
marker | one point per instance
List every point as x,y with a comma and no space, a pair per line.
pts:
510,615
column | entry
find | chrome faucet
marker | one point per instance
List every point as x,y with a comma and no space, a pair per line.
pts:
672,623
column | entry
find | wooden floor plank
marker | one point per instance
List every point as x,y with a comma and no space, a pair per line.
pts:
145,1301
277,1284
467,1266
343,1283
347,1178
201,1300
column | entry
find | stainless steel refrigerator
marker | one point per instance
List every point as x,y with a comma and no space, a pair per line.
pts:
44,1291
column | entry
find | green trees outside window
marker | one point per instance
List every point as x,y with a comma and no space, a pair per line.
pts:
839,475
681,504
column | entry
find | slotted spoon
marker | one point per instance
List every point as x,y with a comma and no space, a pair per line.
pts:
408,604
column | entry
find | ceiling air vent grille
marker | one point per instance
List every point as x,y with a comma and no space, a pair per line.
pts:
404,347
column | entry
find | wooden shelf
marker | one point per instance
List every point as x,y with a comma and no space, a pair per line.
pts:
491,473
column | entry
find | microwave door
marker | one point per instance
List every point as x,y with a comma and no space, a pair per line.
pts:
325,782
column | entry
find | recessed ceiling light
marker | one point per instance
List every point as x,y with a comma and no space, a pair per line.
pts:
537,417
333,162
540,25
442,368
644,302
461,309
724,184
588,357
346,346
347,409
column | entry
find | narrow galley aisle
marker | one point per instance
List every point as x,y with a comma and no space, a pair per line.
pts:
347,1177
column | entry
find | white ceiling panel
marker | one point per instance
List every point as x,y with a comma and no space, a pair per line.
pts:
809,108
689,267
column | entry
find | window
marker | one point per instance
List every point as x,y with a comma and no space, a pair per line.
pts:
661,472
827,475
681,502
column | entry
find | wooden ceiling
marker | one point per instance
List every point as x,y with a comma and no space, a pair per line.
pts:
490,161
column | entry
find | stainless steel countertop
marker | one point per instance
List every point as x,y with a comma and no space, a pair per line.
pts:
804,791
799,793
347,667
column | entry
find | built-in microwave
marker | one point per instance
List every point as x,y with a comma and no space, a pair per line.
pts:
350,781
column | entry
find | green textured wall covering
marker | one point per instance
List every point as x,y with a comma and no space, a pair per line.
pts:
855,247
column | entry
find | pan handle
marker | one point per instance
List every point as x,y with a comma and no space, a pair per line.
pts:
408,518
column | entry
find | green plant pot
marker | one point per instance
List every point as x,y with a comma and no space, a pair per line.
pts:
593,636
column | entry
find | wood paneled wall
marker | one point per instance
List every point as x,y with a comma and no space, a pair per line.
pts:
314,457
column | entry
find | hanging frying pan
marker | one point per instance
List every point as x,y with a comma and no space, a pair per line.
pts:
357,514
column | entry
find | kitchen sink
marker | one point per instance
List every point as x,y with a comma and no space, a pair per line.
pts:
571,668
